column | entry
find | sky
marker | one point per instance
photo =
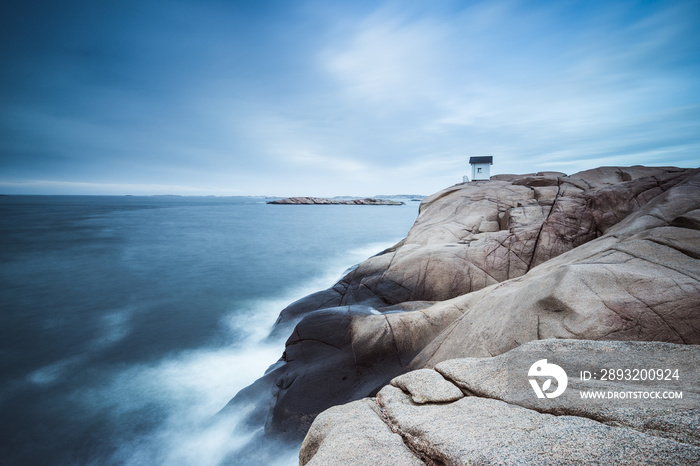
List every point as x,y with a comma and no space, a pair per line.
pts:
325,98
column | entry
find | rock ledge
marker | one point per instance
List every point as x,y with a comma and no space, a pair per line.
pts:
498,419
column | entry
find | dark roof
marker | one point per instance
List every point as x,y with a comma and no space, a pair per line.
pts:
488,159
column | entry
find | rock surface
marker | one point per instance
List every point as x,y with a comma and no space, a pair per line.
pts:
371,443
501,421
605,254
324,201
427,386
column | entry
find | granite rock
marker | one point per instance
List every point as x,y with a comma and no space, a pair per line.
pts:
474,235
324,201
427,386
606,254
502,421
372,441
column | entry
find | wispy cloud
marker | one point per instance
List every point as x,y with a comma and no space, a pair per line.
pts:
519,82
265,101
390,63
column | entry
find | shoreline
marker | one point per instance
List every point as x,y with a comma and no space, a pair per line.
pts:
326,201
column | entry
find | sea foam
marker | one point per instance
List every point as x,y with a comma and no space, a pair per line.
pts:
190,387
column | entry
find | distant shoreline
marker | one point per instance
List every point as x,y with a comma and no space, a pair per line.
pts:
325,201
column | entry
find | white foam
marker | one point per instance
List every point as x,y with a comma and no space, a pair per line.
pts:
194,385
371,249
114,327
53,372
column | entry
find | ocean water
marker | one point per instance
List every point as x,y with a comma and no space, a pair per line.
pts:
127,323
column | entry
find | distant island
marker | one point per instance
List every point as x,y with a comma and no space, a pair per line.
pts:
324,201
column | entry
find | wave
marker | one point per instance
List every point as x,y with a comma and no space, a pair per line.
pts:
114,325
187,389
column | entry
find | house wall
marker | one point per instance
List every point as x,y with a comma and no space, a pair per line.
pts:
481,171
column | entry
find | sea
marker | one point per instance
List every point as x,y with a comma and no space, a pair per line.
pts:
128,322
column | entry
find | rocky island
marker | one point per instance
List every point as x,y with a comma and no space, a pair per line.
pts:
423,354
324,201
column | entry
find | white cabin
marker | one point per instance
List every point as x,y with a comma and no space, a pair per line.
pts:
481,167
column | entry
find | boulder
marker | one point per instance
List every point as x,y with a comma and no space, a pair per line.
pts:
426,386
502,421
371,443
639,281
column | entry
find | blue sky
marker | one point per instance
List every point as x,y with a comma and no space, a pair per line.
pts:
338,98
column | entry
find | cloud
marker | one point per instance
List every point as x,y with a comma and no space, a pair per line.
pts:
260,100
313,160
389,63
489,74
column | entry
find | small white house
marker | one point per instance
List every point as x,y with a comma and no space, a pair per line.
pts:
481,167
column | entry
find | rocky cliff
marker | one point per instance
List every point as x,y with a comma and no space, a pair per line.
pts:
606,254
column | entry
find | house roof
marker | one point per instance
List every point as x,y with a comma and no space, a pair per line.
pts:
485,159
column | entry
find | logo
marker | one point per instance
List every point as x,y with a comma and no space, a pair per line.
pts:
552,372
